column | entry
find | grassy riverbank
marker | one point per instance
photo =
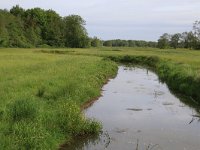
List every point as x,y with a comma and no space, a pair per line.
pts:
180,68
42,90
41,95
180,77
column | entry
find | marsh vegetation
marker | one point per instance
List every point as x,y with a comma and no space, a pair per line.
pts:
42,93
46,78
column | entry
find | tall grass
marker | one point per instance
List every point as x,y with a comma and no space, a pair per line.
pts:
22,110
41,95
179,68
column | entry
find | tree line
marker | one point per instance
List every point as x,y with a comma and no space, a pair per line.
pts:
42,28
189,40
129,43
37,27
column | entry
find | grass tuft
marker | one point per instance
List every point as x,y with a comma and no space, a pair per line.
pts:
40,92
22,110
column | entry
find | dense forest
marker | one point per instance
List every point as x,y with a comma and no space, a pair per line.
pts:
45,28
41,28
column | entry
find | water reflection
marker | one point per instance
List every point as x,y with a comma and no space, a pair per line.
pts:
139,112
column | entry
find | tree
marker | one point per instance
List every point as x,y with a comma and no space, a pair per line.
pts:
37,27
107,43
75,32
192,40
34,22
183,40
152,44
175,40
16,34
163,42
52,31
4,37
131,43
196,29
119,43
95,42
17,11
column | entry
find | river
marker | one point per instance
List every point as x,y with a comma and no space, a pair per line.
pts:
138,112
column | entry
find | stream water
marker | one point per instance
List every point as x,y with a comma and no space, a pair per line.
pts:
140,113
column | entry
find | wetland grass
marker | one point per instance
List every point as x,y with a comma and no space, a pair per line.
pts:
42,92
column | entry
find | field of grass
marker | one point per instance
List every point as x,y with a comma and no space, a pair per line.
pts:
42,90
179,68
41,95
189,59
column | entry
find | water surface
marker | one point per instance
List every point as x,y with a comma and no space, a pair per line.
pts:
139,112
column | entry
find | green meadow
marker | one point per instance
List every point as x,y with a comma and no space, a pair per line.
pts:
42,90
179,68
41,95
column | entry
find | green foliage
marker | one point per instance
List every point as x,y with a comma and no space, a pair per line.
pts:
17,11
175,40
163,42
35,27
95,42
75,33
189,40
53,30
129,43
107,43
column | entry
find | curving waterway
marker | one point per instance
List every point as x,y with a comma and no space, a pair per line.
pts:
140,113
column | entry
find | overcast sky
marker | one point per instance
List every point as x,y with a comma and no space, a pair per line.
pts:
124,19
